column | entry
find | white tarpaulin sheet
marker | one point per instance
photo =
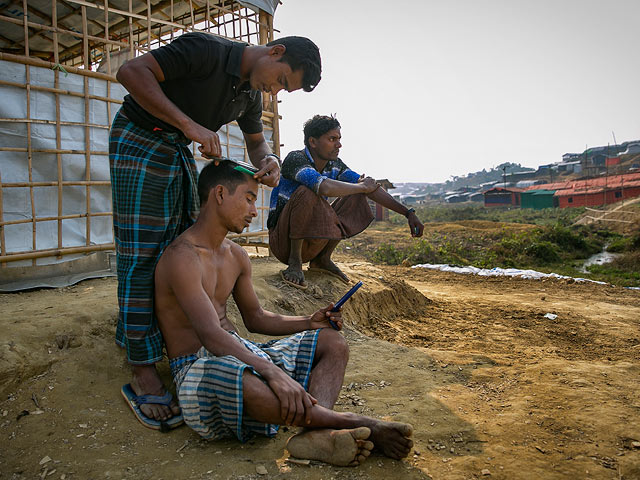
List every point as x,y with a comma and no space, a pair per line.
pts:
16,201
268,6
504,272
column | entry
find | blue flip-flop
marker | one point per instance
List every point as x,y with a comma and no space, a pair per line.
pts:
134,401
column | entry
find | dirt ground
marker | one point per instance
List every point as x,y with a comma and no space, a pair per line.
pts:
493,388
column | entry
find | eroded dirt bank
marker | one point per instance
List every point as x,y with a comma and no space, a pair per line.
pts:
493,389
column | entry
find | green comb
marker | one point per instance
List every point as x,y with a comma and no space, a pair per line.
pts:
240,168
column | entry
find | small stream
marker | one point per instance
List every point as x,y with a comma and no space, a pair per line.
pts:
599,259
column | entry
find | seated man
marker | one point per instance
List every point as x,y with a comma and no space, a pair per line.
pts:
303,226
229,386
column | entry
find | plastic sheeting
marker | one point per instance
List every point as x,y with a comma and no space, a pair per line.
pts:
16,200
268,6
501,272
16,203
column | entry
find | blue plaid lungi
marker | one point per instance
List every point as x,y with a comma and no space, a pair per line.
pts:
209,388
154,192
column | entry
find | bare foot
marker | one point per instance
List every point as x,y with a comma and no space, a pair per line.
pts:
293,274
343,448
328,265
392,438
146,381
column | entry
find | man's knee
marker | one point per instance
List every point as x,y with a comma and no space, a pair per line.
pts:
331,343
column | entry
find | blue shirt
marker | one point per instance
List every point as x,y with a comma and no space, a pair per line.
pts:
299,169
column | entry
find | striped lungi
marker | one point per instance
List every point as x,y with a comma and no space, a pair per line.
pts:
209,388
310,217
154,191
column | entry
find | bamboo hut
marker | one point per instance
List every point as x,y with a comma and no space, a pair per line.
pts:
58,61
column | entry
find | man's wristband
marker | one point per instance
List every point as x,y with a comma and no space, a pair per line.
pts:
409,212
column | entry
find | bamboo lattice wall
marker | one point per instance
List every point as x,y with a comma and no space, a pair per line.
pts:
90,40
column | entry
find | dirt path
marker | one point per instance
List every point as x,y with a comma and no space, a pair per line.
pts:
494,389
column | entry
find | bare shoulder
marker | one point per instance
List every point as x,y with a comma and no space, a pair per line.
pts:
239,253
179,256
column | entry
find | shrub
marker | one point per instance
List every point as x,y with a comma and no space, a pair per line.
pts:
543,252
620,244
387,253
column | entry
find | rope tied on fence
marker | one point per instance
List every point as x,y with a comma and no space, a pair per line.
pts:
60,68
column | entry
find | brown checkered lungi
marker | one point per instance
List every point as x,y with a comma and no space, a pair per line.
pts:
309,216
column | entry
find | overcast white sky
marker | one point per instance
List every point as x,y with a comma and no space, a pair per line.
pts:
428,89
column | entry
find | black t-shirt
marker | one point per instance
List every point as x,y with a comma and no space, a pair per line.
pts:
202,76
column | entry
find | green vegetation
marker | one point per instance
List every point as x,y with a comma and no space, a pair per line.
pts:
457,213
536,247
549,243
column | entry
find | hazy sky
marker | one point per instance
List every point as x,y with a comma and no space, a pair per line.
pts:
428,89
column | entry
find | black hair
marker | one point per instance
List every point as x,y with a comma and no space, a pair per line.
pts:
222,174
319,125
301,53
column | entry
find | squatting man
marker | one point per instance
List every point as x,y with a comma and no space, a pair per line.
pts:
303,226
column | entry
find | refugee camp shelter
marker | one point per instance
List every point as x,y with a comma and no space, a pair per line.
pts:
58,61
502,197
538,199
595,192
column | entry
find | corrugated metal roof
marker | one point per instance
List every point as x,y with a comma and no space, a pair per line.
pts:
612,181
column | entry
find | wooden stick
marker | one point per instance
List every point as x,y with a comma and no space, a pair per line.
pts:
36,62
193,20
87,130
56,252
107,46
3,247
59,30
248,234
67,183
149,24
53,90
50,122
129,14
132,49
51,219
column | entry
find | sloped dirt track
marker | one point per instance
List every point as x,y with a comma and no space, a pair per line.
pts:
492,387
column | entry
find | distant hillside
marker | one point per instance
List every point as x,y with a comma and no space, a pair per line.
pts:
469,180
485,176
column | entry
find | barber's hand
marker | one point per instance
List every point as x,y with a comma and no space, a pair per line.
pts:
295,402
208,140
321,318
415,225
269,174
368,183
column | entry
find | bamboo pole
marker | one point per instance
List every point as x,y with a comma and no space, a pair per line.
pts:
58,138
129,14
59,30
247,234
36,62
51,122
3,246
193,20
56,252
48,150
71,216
67,183
132,50
171,14
87,129
29,144
148,25
107,47
53,90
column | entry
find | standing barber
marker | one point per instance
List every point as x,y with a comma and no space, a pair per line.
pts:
182,92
